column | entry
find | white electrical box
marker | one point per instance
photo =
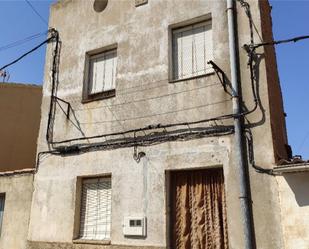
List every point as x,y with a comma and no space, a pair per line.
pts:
134,226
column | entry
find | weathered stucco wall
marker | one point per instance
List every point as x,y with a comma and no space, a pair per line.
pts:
19,127
294,198
145,97
18,191
137,188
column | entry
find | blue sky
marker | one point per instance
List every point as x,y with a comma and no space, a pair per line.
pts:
18,22
290,19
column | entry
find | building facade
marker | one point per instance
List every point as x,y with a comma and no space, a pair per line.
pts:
19,127
136,143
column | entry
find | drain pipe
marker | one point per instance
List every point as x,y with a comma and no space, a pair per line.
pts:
240,151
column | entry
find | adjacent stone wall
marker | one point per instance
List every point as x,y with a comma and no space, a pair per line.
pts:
18,194
294,199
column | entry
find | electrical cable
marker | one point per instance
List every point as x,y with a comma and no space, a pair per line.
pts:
27,53
52,152
161,113
22,41
36,12
259,169
52,106
250,48
295,39
150,140
146,128
251,54
145,99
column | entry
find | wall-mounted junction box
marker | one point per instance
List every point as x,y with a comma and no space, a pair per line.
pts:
134,226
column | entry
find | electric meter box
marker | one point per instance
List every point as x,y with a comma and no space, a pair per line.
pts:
134,226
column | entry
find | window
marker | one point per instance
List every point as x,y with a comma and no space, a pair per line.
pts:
95,220
101,78
2,200
191,50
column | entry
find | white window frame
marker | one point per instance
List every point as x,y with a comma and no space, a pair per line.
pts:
190,25
93,210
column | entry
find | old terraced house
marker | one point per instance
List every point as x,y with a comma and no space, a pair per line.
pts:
162,126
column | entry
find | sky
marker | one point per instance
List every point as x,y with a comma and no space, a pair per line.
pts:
18,22
290,19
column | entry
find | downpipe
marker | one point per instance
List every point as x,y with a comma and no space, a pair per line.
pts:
240,150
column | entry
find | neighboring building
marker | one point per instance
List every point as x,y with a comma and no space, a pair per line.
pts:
294,201
20,119
132,153
20,107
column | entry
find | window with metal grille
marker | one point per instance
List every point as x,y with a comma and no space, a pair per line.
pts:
101,78
95,221
2,200
192,49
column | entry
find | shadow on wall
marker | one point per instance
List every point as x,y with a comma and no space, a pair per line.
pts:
299,184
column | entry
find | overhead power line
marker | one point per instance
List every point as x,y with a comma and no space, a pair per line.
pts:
294,39
32,50
22,41
36,12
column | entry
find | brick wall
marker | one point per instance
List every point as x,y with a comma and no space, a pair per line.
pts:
277,116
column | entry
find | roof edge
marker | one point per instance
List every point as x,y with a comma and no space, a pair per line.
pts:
23,85
291,168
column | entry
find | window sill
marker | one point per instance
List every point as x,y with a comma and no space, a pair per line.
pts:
192,77
99,96
92,242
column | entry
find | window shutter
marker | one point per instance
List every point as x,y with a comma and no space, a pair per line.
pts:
208,47
102,72
186,53
95,219
97,68
110,71
192,48
199,51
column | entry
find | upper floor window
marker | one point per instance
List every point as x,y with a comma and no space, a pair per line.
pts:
192,48
101,75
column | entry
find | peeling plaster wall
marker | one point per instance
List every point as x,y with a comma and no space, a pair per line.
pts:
137,188
144,96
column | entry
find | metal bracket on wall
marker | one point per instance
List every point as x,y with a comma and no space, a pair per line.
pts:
221,75
67,113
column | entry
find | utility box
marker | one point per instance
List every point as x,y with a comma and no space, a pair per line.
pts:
134,226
